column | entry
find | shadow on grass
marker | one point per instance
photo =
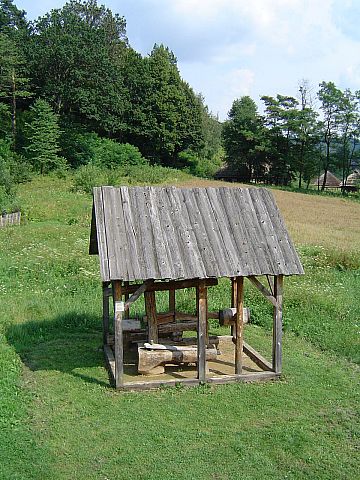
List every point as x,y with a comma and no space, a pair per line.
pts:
70,343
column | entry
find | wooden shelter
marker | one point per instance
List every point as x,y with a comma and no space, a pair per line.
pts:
164,239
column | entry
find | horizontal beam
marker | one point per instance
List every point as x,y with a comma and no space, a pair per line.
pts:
263,290
161,286
244,377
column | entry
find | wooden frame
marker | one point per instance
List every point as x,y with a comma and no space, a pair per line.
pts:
115,357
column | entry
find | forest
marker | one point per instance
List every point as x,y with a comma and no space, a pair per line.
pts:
74,95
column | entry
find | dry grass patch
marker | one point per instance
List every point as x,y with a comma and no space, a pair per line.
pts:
311,219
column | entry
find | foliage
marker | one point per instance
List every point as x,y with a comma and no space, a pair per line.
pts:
75,57
14,84
88,176
244,139
43,138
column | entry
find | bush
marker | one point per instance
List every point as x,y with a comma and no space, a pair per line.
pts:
84,148
201,166
87,177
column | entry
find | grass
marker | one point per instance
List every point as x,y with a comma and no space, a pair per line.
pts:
60,420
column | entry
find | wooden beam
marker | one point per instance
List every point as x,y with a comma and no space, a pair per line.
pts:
135,295
150,308
256,357
110,363
239,324
201,331
172,300
127,311
233,301
106,314
277,325
263,290
118,334
245,377
173,284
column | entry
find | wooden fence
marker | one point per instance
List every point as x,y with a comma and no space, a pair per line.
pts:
10,219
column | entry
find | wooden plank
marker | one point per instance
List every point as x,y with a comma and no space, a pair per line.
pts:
203,242
118,335
239,323
150,308
132,232
193,265
201,332
263,290
149,385
173,284
277,325
101,234
163,254
245,377
256,357
106,314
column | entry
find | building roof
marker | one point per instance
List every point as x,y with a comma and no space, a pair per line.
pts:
170,233
353,179
331,180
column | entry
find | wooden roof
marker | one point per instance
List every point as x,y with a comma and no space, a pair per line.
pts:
170,233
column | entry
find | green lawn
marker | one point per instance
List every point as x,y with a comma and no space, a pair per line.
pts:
60,420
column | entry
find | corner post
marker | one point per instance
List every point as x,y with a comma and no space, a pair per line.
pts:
239,323
118,335
233,300
277,325
201,330
106,314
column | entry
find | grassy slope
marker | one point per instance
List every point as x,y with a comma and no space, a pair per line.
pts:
60,420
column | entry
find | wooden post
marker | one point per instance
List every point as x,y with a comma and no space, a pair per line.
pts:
106,314
277,325
201,330
239,322
118,335
150,308
233,301
127,313
172,303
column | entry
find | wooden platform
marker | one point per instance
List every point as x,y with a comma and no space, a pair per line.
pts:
221,370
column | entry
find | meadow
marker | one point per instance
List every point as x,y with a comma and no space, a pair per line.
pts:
59,419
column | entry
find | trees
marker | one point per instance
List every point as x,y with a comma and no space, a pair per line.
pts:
43,138
330,97
243,136
173,108
14,84
75,55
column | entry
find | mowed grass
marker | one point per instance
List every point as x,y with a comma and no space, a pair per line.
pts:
60,420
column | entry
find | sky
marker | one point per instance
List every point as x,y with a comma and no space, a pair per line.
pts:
230,48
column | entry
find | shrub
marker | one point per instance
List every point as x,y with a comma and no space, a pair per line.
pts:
88,176
201,166
110,154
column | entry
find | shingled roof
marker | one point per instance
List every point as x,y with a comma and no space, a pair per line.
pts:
169,233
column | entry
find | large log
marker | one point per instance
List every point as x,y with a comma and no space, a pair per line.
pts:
152,360
227,316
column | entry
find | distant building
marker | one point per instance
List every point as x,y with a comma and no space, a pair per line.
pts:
331,181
